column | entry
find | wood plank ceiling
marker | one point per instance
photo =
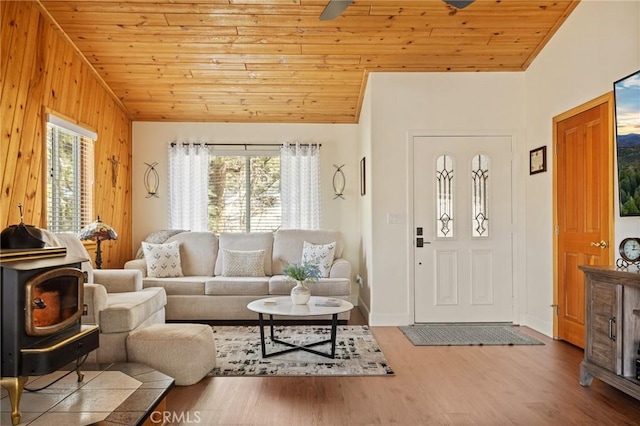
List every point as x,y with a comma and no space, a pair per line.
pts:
275,61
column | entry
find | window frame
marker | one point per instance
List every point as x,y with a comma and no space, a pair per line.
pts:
86,198
263,151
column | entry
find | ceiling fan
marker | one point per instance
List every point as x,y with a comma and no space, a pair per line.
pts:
334,8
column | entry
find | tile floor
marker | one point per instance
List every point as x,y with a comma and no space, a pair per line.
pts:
109,394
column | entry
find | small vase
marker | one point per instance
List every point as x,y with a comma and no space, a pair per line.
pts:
300,294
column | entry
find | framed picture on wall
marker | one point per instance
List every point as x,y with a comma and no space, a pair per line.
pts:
538,160
627,107
363,173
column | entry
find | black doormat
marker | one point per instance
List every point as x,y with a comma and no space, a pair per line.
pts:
467,334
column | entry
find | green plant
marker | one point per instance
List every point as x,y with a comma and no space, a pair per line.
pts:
302,271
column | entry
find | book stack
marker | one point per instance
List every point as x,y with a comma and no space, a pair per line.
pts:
332,303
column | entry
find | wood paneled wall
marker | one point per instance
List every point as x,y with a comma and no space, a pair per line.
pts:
41,71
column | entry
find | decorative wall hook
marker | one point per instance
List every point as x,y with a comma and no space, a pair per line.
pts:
151,180
339,182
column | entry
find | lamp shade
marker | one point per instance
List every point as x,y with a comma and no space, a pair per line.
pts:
98,231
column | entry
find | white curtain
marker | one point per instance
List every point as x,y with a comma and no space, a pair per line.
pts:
300,186
188,186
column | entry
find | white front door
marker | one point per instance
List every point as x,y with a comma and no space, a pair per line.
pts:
463,229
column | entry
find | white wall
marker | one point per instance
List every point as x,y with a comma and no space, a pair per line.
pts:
366,254
598,44
406,104
339,146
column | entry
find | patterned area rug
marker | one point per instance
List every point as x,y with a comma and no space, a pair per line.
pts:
467,335
357,352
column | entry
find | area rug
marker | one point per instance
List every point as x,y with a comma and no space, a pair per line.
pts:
239,354
467,334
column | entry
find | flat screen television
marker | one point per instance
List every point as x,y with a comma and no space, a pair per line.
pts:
627,101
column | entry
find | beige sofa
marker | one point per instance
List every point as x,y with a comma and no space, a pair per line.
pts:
203,293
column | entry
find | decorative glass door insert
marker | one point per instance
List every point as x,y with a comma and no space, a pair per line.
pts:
445,196
480,196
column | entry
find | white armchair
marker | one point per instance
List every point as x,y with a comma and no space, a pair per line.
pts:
115,300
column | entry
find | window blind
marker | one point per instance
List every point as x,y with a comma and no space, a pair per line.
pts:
244,193
70,175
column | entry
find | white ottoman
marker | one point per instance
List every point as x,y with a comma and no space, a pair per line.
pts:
186,352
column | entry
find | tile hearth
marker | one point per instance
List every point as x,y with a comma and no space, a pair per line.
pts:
109,394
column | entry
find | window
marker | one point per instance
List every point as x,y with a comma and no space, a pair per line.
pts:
444,197
70,162
479,196
244,193
221,188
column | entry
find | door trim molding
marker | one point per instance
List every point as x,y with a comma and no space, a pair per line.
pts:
518,169
606,99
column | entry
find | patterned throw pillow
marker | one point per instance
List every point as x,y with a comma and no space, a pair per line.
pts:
237,263
163,260
158,237
321,255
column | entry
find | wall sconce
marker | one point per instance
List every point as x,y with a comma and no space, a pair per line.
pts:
151,180
339,182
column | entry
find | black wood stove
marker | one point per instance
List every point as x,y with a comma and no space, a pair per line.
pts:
42,299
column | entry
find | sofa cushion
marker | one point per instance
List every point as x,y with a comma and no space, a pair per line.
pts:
198,252
126,311
279,285
244,241
178,286
288,243
252,286
320,255
163,260
236,263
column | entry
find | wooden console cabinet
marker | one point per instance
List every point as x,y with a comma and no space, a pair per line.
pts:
612,327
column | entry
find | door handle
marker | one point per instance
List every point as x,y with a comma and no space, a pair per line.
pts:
602,244
420,242
612,321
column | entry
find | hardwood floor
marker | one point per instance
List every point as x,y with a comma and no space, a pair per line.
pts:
490,385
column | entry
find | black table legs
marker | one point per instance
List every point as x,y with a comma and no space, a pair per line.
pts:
293,347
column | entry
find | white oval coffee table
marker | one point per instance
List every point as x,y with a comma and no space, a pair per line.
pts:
283,306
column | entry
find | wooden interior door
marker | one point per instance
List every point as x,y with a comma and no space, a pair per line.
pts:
584,209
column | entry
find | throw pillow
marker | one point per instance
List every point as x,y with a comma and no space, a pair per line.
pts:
236,263
158,237
163,260
319,254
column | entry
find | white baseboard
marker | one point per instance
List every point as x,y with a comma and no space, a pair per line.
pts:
390,320
544,327
364,309
384,319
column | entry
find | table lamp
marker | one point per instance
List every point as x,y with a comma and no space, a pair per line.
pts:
98,231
